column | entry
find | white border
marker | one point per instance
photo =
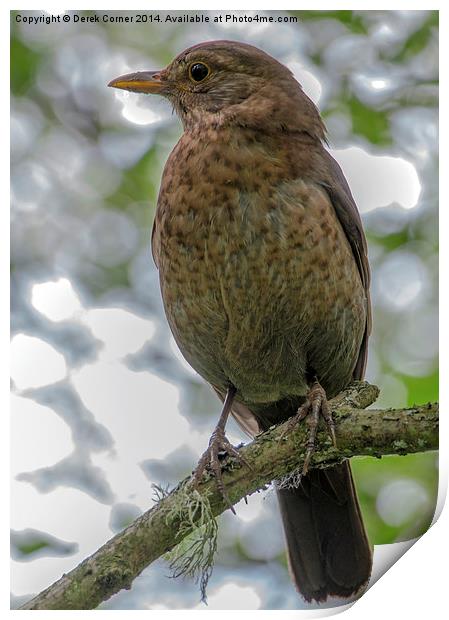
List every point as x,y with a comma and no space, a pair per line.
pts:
416,585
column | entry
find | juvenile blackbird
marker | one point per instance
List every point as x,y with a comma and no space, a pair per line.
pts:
265,279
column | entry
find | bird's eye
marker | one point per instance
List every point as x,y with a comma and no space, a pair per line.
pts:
199,71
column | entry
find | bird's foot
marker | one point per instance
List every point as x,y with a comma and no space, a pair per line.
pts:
315,405
218,444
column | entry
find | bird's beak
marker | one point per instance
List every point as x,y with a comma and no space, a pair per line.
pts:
140,82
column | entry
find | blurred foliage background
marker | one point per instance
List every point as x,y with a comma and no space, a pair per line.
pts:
103,403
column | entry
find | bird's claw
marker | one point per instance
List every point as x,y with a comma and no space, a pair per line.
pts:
211,458
315,405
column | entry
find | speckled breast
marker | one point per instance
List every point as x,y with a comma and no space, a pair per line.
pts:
259,283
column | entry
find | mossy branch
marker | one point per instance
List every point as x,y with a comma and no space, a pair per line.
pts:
360,432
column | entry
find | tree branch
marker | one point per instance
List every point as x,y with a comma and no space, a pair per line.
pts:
359,433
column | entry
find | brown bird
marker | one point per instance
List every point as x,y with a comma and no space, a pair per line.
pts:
265,279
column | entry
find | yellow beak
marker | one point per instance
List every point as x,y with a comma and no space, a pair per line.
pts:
139,82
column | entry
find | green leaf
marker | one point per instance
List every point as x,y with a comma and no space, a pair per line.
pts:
373,124
419,39
351,19
24,64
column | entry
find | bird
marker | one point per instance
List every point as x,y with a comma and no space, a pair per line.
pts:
264,274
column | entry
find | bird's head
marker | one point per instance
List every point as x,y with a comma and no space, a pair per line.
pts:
227,82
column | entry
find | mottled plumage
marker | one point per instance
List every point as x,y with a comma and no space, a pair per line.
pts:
264,274
272,284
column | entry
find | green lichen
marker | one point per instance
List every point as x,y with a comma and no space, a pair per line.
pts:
400,446
197,531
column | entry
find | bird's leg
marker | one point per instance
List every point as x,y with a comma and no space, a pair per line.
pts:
218,442
315,405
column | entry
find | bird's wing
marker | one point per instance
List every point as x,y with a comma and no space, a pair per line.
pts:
154,247
349,217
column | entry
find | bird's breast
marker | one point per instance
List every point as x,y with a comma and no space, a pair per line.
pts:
253,264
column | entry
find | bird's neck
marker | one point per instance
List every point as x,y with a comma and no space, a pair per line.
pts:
268,112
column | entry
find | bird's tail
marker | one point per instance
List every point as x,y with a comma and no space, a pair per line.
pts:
328,549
